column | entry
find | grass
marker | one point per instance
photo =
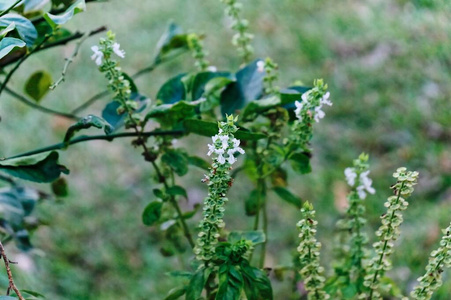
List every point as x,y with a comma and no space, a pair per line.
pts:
387,64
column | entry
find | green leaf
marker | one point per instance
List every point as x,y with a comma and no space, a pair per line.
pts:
152,213
176,293
11,210
8,44
196,285
300,162
198,162
33,293
177,190
255,236
292,94
213,90
168,115
85,123
256,107
159,194
24,27
248,87
56,20
173,90
257,285
172,41
116,120
209,129
177,160
251,203
288,196
230,283
42,167
200,81
59,187
7,298
38,85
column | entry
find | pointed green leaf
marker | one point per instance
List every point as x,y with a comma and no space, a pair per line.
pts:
168,115
300,162
255,236
24,27
152,213
230,284
173,90
177,190
8,44
176,293
198,162
38,85
42,167
56,20
288,196
172,41
196,285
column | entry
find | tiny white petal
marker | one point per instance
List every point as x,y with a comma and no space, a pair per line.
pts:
350,176
118,51
221,159
231,159
211,149
361,192
212,69
261,66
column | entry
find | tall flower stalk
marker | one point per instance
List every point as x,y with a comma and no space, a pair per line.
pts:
223,149
389,231
242,39
198,52
432,279
309,252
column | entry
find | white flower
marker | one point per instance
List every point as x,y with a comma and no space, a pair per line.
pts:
319,114
325,99
221,159
351,175
366,182
231,159
211,149
297,111
118,51
212,69
225,141
261,66
97,56
215,138
361,192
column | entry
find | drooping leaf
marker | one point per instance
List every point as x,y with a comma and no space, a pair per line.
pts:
288,196
176,293
177,190
300,162
198,162
42,167
177,160
172,41
257,285
173,90
24,27
255,236
209,129
85,123
168,115
8,44
59,187
56,20
38,85
196,285
152,213
248,87
230,283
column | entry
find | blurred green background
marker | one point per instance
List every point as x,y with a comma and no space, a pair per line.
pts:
388,66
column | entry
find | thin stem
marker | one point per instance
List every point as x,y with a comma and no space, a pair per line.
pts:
30,103
10,275
265,230
9,8
98,137
69,60
13,70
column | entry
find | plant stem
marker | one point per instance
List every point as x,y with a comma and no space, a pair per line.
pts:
9,8
10,275
265,230
97,137
31,103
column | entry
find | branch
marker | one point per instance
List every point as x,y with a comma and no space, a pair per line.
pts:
69,60
30,103
108,138
9,8
10,275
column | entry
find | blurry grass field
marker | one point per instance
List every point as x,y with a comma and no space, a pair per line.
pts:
388,65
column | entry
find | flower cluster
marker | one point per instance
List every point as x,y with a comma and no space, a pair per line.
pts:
117,83
307,111
195,45
432,279
224,147
389,231
309,252
242,38
360,171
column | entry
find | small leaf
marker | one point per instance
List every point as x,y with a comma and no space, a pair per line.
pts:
198,162
196,285
8,44
300,162
177,191
209,129
176,293
159,194
255,236
288,196
230,284
38,85
24,27
56,20
152,213
251,203
85,123
177,160
42,167
172,41
59,187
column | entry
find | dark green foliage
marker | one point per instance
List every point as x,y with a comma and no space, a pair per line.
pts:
152,213
85,123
